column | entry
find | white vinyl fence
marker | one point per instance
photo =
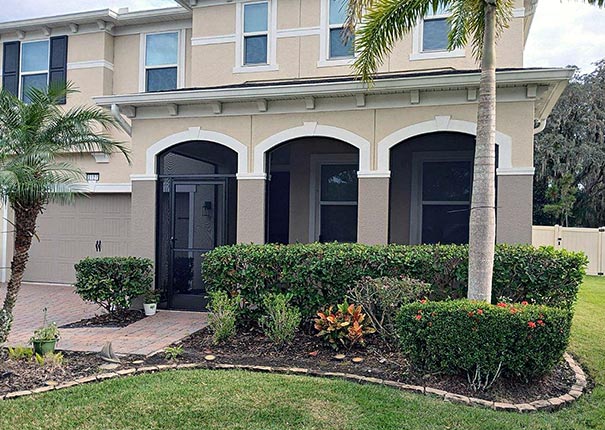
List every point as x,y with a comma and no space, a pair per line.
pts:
591,241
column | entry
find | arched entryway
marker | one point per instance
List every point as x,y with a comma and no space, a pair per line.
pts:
312,191
197,204
430,188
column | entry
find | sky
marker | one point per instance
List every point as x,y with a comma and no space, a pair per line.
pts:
564,32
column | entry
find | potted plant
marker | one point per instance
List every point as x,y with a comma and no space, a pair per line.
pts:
150,302
45,338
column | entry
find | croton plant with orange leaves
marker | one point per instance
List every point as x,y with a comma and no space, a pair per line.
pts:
344,327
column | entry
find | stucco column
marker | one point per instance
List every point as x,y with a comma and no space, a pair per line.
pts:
373,209
514,209
143,218
251,209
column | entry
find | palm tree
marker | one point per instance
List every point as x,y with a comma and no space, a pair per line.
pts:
478,22
34,137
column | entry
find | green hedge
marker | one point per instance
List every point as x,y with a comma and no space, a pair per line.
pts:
525,341
319,274
113,282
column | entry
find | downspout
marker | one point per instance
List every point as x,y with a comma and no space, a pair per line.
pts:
115,112
539,126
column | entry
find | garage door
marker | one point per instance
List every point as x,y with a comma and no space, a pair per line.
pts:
98,225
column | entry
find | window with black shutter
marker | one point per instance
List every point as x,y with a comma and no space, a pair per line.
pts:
34,64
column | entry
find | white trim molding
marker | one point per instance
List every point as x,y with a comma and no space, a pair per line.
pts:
441,123
213,40
90,64
138,177
313,129
105,187
193,134
516,171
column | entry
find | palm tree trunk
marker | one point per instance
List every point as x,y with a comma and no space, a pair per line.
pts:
25,227
482,224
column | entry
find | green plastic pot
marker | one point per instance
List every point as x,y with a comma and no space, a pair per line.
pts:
44,347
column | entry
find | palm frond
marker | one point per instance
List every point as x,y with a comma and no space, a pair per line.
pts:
35,137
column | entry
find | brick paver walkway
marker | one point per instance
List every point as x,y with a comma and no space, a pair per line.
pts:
143,337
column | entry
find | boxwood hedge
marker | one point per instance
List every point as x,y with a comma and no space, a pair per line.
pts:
457,337
320,274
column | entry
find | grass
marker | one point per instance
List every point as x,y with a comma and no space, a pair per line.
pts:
238,400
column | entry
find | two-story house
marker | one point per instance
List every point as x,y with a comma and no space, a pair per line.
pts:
246,125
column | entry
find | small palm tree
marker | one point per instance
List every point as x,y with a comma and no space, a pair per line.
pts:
34,137
478,22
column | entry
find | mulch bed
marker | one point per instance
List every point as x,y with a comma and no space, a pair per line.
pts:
379,361
307,351
27,374
114,320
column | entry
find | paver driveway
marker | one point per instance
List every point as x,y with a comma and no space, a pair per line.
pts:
64,306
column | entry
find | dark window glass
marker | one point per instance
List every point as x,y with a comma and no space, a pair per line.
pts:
32,81
338,223
446,181
255,50
339,182
445,223
161,79
338,46
434,34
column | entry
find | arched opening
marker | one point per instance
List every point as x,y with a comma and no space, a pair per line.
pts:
312,191
430,188
197,203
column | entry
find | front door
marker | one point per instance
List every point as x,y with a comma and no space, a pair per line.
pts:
193,221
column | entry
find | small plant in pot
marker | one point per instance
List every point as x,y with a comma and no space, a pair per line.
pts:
150,302
45,338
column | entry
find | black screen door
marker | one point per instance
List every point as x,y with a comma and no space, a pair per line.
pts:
193,221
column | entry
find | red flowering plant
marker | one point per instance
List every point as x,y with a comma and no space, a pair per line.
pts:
484,341
346,326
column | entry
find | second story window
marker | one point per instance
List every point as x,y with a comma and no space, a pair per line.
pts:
34,67
339,46
256,33
435,30
161,61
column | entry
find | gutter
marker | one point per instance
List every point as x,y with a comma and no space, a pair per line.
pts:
115,112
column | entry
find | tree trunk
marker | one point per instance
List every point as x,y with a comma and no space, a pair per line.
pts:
25,227
482,224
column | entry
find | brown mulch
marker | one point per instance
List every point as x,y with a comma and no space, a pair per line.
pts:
379,361
307,351
117,319
27,374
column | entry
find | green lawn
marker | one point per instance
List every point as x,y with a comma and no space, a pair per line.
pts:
239,400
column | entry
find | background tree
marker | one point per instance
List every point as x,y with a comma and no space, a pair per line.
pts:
34,137
572,149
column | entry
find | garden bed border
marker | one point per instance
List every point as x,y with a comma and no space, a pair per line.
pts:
554,403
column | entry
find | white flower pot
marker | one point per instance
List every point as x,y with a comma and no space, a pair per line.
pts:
150,308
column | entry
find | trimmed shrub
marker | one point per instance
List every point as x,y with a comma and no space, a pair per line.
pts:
482,340
113,282
317,274
381,299
280,320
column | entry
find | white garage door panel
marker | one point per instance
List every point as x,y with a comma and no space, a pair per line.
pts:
69,233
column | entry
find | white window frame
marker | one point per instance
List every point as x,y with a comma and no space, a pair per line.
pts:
418,159
315,202
180,64
271,33
418,52
36,72
324,40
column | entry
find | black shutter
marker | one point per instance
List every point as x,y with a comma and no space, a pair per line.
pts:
57,70
10,67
